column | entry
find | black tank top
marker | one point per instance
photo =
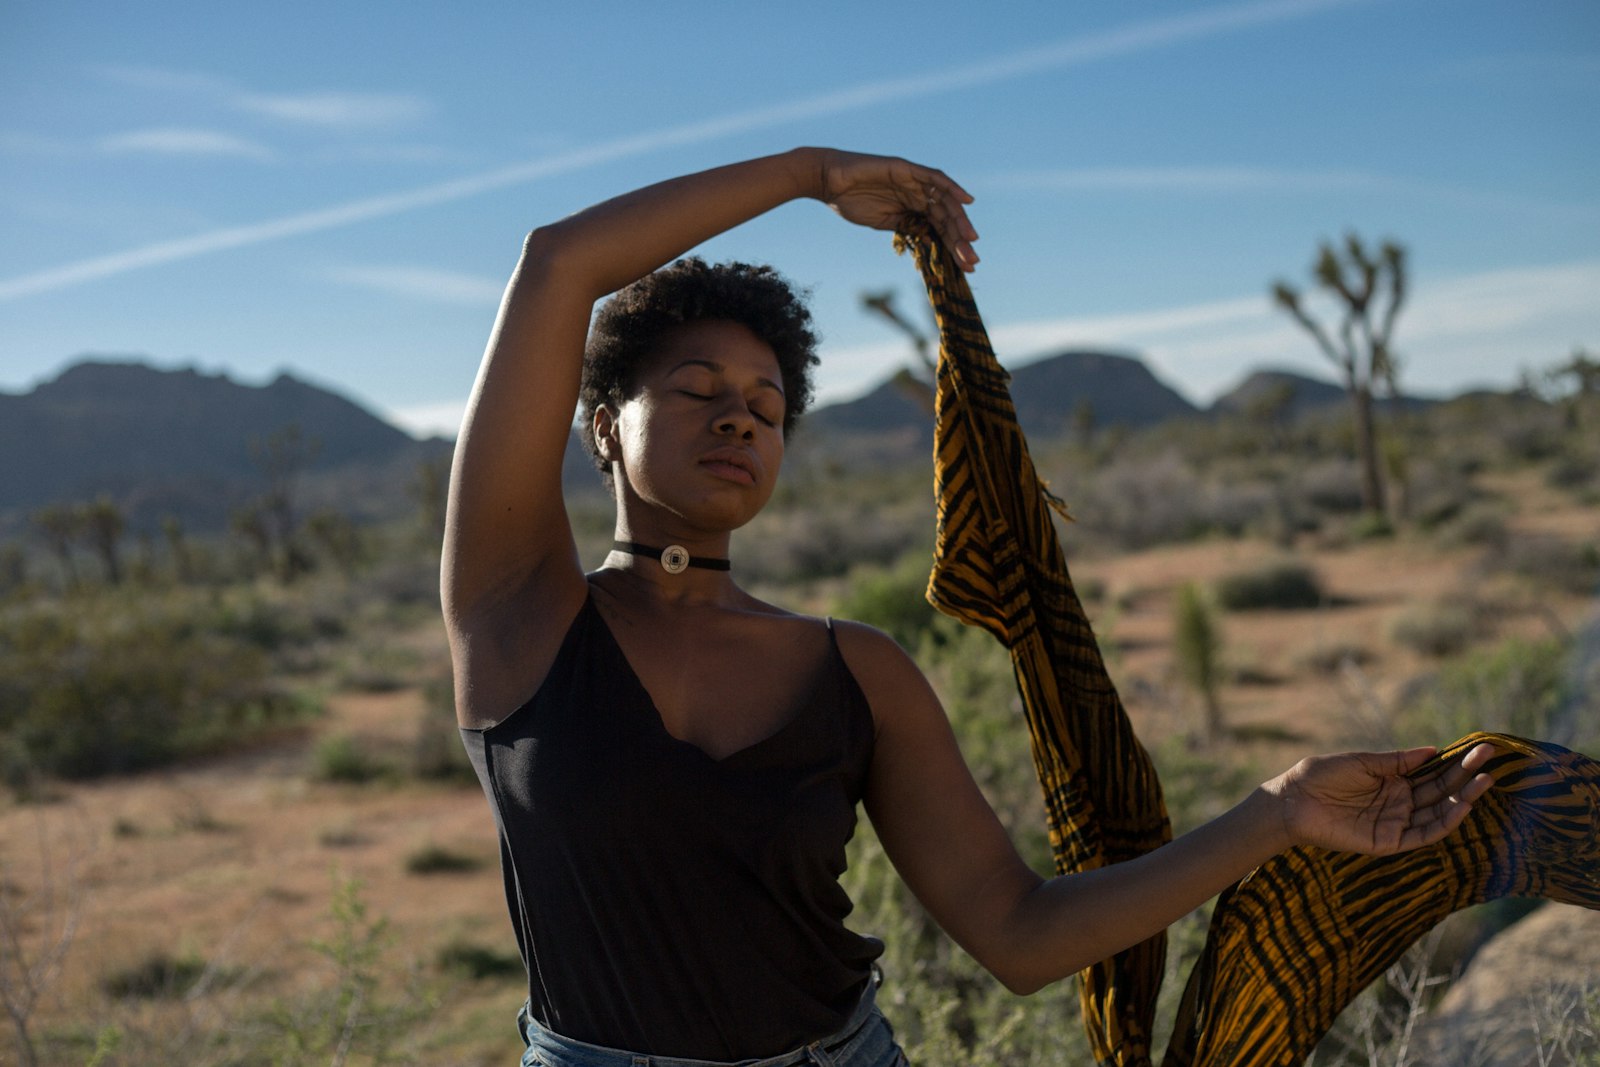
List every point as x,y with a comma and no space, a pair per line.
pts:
666,902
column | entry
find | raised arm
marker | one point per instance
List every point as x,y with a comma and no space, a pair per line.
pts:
1028,931
507,533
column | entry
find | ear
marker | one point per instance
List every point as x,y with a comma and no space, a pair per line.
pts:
605,434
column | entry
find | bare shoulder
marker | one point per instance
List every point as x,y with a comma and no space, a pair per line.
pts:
888,676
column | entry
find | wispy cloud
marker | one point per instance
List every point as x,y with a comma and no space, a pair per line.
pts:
428,420
338,110
1182,179
164,79
329,109
1138,37
421,283
178,141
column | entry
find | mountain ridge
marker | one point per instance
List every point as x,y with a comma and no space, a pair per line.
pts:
186,442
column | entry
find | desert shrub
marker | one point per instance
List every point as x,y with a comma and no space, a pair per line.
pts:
1439,629
1480,523
1330,486
1135,502
478,962
1282,584
1548,560
894,599
436,859
1331,657
338,758
1369,526
1574,470
1536,689
113,686
974,678
158,976
352,1016
436,752
834,527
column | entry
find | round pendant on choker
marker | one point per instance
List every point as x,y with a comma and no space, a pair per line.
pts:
675,559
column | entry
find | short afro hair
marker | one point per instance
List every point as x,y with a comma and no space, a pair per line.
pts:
630,325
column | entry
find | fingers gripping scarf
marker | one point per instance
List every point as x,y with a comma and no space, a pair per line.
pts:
1294,941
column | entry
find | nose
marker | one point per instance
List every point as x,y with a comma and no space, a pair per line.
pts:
735,419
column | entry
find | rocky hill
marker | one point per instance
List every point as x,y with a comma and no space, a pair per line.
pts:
187,443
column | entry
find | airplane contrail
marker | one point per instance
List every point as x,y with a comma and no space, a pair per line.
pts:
1125,40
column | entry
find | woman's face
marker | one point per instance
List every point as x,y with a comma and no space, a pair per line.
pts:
698,446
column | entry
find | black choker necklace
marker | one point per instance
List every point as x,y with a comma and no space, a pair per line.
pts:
674,558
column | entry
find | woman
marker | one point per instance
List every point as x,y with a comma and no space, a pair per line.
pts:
673,764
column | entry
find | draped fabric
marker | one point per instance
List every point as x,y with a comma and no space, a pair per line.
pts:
1294,941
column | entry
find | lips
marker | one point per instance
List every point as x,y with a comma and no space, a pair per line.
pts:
732,464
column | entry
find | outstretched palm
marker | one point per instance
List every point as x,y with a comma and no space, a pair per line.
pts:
1369,802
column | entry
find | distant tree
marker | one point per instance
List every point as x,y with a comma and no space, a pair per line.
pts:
1197,647
13,568
1268,411
1083,423
248,522
61,525
178,548
917,381
1370,291
339,538
1578,384
283,457
103,524
429,488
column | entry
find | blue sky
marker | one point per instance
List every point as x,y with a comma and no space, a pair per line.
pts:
339,189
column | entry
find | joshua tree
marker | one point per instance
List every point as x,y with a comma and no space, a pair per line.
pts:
102,522
1370,291
915,382
282,457
1197,647
61,525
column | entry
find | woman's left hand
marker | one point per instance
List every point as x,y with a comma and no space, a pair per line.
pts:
1364,801
881,192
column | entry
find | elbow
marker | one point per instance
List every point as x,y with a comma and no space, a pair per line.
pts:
1022,973
1022,981
544,249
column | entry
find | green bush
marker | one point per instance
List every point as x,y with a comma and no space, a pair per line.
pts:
893,600
436,859
1281,584
479,962
1439,629
116,685
1537,689
1549,561
437,753
158,976
339,759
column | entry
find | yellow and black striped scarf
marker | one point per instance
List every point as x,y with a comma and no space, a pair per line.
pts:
1294,941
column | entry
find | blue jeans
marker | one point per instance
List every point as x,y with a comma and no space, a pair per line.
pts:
866,1040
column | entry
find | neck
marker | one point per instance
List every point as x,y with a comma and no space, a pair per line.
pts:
673,559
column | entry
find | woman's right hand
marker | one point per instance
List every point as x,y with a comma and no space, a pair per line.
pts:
881,192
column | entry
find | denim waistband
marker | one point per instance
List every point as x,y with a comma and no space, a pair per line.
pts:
566,1050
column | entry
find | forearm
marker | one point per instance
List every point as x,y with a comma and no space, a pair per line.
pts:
609,245
1067,923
